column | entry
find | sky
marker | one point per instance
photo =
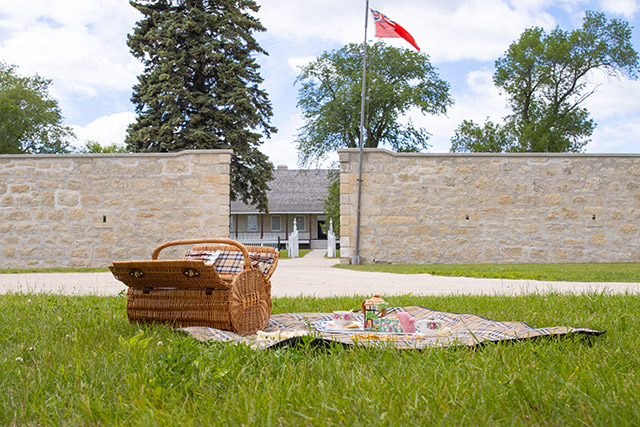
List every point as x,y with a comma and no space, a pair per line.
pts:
81,46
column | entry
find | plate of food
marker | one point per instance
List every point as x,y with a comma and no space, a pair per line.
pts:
330,326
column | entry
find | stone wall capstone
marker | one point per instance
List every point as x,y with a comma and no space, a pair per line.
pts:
491,208
86,210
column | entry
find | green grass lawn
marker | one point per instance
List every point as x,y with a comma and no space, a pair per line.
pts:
78,361
592,272
284,254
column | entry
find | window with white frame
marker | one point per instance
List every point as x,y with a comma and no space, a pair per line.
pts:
252,223
275,223
300,222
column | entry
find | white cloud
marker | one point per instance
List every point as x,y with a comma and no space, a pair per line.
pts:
106,130
617,137
297,62
626,8
476,101
81,46
447,31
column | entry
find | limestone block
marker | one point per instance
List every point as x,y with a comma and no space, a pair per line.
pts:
436,253
519,187
574,242
26,227
457,200
76,184
193,225
418,254
394,220
19,189
505,199
56,215
598,239
560,253
67,198
47,199
421,229
109,237
76,214
466,169
473,253
79,262
570,213
579,200
478,199
539,186
531,228
634,170
552,199
17,215
101,252
512,253
9,252
539,253
444,229
628,228
7,200
592,210
26,252
482,183
10,241
632,185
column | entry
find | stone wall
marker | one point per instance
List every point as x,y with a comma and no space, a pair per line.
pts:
86,210
491,208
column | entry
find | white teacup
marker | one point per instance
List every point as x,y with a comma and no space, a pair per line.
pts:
342,318
428,326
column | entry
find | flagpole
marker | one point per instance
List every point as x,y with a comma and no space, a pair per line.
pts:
356,259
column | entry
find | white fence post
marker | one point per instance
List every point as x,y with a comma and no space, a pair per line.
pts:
331,241
293,241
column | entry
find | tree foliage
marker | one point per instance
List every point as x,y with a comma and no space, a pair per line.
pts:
94,147
397,80
332,202
200,86
30,120
547,78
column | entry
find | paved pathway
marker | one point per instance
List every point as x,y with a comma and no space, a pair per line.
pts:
313,275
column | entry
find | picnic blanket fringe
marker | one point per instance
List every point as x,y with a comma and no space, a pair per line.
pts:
466,330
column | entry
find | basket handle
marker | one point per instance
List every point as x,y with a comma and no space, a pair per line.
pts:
245,254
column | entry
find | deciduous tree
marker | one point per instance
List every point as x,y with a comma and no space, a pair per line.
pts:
547,78
397,81
30,119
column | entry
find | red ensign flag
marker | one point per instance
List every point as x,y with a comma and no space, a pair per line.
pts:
385,27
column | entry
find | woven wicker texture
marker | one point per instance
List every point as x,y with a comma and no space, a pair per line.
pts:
189,293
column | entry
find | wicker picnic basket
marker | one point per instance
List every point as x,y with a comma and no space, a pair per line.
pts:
232,294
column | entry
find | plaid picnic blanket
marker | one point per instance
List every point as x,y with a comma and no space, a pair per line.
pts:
231,262
461,330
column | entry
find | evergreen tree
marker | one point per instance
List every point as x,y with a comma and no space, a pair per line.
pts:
200,87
